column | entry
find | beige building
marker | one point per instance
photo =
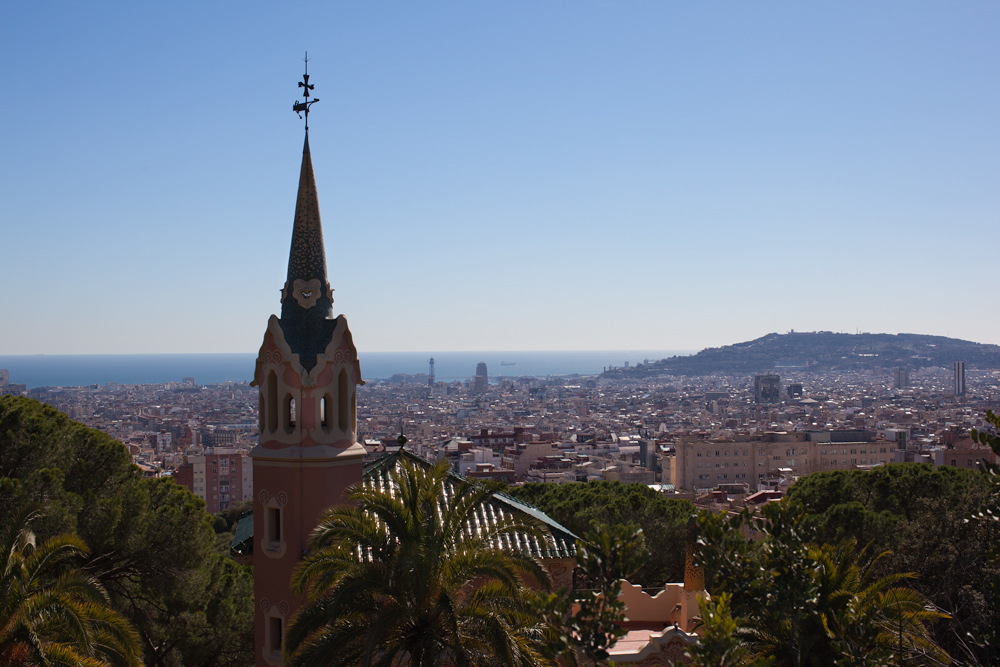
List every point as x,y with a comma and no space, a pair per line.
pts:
703,464
520,457
964,454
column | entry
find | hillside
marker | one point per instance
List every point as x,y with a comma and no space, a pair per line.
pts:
824,351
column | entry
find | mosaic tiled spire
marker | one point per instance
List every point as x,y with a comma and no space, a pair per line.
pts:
307,300
307,256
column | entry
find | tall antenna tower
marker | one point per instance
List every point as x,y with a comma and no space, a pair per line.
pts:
430,376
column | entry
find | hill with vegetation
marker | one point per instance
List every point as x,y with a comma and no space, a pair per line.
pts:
823,351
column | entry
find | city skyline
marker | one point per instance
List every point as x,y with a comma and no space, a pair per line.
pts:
594,176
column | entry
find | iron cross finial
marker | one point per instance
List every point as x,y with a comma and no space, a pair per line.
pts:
303,106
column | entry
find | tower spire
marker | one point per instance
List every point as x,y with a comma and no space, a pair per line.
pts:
307,299
307,455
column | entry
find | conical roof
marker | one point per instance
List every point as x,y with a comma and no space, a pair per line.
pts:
307,256
307,300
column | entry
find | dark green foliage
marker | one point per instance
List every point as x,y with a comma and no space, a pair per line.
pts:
151,542
986,638
51,612
720,644
586,507
918,512
991,438
804,603
898,488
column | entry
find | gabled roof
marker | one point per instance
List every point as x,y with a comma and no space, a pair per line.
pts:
563,543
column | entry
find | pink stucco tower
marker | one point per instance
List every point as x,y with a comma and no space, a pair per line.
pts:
307,375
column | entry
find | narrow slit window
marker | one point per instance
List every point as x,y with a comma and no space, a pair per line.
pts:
324,410
276,631
354,412
343,403
261,414
274,525
287,419
272,402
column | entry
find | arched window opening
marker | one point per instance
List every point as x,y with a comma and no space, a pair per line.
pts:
260,410
274,526
288,416
272,402
344,397
354,412
325,406
273,636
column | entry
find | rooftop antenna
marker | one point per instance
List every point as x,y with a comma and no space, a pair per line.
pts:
303,106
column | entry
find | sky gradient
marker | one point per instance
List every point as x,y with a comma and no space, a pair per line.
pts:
500,175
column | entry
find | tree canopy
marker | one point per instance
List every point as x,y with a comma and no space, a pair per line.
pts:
152,546
584,508
920,514
804,603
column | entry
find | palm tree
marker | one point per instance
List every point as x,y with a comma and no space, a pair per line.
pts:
418,572
854,616
872,616
52,613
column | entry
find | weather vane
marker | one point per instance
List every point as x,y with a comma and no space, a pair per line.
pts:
303,106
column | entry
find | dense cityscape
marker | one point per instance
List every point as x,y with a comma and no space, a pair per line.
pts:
689,436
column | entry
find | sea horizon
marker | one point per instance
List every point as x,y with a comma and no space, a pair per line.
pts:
80,370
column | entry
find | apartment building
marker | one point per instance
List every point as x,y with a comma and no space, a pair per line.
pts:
520,457
698,463
964,454
219,477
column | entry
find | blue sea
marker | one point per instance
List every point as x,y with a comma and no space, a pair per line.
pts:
74,370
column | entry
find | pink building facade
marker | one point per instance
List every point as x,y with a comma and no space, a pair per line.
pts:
306,374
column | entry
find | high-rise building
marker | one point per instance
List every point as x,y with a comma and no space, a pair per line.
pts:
901,378
220,477
767,389
482,379
430,374
960,378
307,373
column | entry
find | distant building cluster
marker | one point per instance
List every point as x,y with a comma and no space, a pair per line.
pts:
8,388
686,435
201,435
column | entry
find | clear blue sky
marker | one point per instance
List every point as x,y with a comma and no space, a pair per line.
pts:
500,175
